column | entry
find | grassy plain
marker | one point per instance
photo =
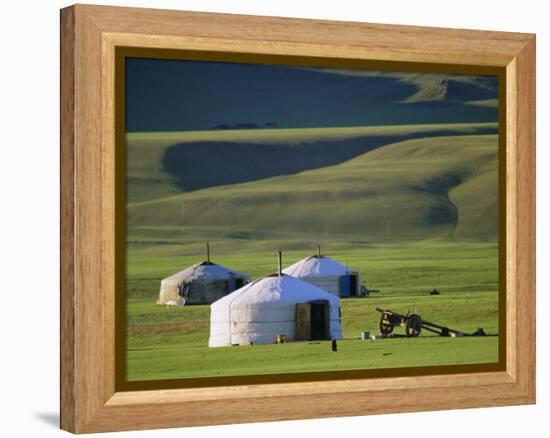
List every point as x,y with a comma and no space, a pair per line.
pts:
411,215
172,343
168,343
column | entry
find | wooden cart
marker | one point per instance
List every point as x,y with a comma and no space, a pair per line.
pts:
413,324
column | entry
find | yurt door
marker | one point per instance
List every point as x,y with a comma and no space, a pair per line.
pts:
312,321
319,320
239,282
353,285
344,285
349,285
303,322
234,283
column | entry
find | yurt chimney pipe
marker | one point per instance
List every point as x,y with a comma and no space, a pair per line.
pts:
208,252
280,263
319,251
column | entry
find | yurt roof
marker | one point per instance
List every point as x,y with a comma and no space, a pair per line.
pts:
276,289
204,271
316,266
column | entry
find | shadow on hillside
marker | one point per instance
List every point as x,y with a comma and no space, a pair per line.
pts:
440,185
200,165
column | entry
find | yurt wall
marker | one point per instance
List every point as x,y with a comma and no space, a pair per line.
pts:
205,292
266,308
202,283
328,284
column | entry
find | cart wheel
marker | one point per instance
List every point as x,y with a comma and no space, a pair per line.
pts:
414,326
386,328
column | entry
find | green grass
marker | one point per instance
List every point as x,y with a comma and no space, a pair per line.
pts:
166,343
140,141
415,189
394,268
410,216
147,178
489,103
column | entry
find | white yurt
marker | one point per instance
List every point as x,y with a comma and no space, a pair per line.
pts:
327,274
272,306
202,283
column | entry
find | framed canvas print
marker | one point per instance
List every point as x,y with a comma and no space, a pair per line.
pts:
268,218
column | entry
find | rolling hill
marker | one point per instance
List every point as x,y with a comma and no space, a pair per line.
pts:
171,95
412,189
163,164
432,87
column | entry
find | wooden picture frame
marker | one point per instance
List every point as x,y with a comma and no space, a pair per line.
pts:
91,400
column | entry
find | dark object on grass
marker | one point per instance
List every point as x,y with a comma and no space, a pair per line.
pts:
365,291
434,292
479,332
334,345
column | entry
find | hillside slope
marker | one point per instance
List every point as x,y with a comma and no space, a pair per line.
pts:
415,189
164,164
169,95
431,87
